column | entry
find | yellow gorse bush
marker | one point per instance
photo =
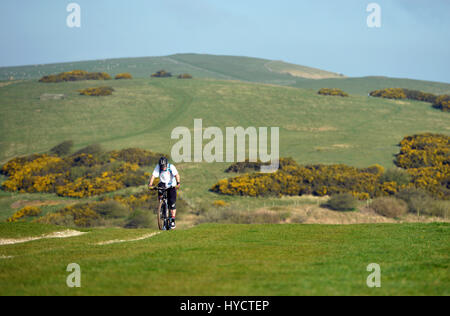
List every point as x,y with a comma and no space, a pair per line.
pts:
97,92
425,157
332,92
78,175
75,75
27,211
123,76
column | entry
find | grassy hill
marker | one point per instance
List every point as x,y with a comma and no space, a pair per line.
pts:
358,130
228,68
211,259
230,260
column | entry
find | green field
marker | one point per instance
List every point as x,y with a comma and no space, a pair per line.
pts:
232,260
209,259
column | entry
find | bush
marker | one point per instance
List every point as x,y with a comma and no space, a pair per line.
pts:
138,156
111,209
389,93
123,76
389,207
81,215
397,175
245,166
416,199
161,74
89,150
28,211
442,102
332,92
439,208
341,202
62,149
421,203
75,75
97,92
139,219
184,76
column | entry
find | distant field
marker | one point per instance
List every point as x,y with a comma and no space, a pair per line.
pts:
228,68
231,260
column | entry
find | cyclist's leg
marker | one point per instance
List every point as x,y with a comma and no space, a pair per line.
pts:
172,199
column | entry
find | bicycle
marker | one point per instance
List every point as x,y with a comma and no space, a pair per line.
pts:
162,212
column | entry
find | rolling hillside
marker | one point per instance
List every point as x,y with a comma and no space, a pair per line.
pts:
228,68
358,130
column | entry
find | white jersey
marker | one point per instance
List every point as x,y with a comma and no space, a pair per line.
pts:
168,176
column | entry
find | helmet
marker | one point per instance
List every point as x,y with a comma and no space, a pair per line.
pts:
163,162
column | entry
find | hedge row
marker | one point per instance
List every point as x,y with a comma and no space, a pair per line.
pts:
440,102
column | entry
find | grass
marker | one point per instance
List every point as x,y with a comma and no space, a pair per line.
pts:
236,260
358,131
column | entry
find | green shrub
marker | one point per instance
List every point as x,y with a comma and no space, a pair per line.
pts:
111,209
245,166
389,207
439,208
138,156
397,175
341,202
416,199
62,149
134,179
90,150
139,219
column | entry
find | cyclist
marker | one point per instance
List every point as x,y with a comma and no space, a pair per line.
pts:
168,178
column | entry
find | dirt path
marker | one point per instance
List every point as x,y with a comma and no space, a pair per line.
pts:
116,241
63,234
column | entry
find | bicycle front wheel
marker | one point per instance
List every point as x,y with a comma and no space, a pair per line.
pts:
161,215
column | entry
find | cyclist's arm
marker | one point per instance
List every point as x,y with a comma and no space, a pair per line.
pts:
178,180
151,181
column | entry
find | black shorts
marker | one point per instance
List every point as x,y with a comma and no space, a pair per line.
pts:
172,198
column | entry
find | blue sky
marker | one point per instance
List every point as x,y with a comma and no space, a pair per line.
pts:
413,41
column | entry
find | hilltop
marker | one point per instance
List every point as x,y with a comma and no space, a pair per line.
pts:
228,68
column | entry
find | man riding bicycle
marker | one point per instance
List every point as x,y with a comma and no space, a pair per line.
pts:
168,178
